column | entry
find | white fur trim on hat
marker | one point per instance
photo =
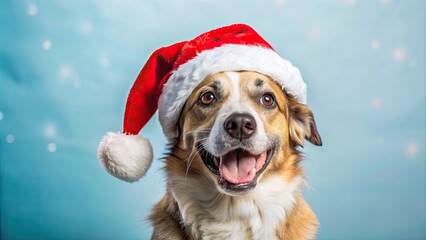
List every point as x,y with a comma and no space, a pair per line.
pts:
229,57
126,157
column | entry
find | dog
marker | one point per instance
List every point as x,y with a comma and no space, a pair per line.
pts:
234,171
234,114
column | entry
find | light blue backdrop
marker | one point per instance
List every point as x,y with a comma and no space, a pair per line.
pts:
66,68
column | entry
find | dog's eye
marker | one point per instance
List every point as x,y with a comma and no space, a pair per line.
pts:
267,100
207,98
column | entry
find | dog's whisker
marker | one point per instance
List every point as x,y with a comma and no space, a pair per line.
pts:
192,156
189,161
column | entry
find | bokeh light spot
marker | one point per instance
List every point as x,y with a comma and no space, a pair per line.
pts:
65,72
47,45
377,102
411,150
375,44
32,10
279,2
86,27
399,54
51,147
350,2
50,130
10,138
104,61
315,33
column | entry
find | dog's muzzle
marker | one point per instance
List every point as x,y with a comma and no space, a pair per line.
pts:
238,168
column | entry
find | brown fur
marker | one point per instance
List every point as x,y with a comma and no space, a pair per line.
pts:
290,121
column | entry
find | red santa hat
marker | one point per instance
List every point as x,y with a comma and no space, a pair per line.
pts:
167,80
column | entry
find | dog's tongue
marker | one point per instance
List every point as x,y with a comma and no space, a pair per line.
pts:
240,167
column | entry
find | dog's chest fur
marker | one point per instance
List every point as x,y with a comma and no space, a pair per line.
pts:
210,214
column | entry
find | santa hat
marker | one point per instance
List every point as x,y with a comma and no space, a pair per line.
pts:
167,80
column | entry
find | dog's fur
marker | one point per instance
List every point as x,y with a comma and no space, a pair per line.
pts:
197,206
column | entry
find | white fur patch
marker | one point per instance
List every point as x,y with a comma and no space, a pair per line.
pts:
229,57
213,215
126,157
235,80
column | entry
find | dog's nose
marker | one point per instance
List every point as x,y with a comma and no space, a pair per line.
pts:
240,125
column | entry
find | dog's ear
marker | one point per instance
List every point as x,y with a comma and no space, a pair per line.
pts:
302,124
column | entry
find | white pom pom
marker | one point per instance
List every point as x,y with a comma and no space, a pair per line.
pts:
126,157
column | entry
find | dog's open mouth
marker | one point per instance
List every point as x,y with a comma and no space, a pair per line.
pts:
238,169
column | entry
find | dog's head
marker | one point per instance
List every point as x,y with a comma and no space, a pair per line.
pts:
242,126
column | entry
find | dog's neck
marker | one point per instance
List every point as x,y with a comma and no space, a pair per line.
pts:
209,214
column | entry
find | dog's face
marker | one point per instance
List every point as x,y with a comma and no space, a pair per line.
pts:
243,127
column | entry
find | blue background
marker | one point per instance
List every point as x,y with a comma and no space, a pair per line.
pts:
66,68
